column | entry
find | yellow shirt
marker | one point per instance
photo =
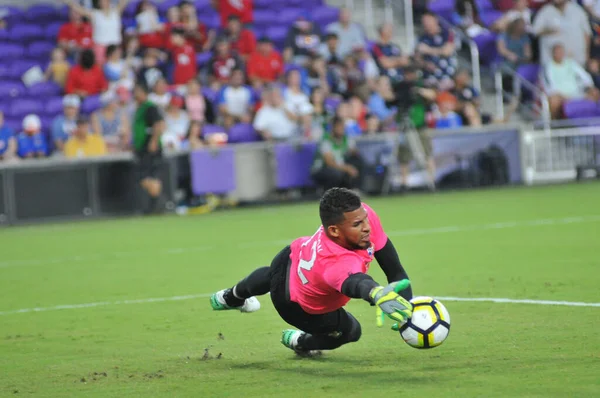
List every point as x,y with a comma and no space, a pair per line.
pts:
93,145
60,71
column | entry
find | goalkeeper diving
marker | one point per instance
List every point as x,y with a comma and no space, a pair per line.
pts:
311,280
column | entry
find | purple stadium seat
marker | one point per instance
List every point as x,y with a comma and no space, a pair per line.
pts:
211,19
277,34
325,15
11,89
46,123
164,5
210,94
18,68
443,8
484,5
203,58
243,132
26,33
63,13
264,5
490,16
130,9
40,13
213,171
297,3
209,129
15,14
579,109
265,17
288,16
4,72
91,104
53,107
51,31
40,50
11,51
19,108
3,35
15,124
332,103
202,5
529,72
486,43
293,165
44,90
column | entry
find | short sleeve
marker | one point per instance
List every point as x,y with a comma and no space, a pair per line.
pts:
341,268
152,116
378,235
260,121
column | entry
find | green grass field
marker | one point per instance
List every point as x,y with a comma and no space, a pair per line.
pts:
520,243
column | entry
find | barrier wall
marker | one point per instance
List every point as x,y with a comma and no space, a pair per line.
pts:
58,189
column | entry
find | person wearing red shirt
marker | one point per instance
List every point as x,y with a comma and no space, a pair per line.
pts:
196,32
241,8
264,65
76,34
173,21
183,57
87,77
242,40
223,62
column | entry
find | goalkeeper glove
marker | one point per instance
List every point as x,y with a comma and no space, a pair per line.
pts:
389,303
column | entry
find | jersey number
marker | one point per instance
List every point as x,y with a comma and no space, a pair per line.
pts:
307,264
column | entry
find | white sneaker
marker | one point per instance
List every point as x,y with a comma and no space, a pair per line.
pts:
217,302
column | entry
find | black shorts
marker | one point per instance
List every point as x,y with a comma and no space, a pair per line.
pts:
338,321
148,165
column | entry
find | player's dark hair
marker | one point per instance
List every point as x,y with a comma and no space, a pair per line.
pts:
334,203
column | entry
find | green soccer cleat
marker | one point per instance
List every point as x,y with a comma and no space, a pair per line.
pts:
217,302
289,338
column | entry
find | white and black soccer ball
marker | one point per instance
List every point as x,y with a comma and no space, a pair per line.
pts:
429,325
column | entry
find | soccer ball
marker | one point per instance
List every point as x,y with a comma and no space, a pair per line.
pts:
429,325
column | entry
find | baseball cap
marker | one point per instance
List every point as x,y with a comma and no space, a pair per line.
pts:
176,101
71,100
32,123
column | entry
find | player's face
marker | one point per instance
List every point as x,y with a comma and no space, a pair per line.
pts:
354,232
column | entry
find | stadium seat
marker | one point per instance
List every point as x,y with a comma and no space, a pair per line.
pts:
332,103
264,5
40,50
325,15
486,43
211,19
40,13
202,5
210,94
130,9
11,51
293,163
26,33
203,58
164,5
579,109
484,5
19,108
242,132
15,124
490,16
44,90
54,106
18,68
442,8
213,171
288,16
91,104
11,89
15,14
264,17
51,31
277,34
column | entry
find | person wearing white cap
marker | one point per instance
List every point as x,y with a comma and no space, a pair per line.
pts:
30,142
63,125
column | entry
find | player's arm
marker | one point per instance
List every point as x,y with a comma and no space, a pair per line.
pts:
388,260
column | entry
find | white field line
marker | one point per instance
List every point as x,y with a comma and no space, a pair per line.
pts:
206,295
281,242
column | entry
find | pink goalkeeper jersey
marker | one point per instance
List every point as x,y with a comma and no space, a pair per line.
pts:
320,266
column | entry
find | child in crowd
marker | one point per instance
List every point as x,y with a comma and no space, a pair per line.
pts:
30,142
58,69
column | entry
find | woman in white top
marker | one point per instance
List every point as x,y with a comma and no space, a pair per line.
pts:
106,24
297,102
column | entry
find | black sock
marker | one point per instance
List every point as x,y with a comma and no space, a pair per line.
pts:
231,300
255,284
310,342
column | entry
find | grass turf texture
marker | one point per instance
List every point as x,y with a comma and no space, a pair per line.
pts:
158,349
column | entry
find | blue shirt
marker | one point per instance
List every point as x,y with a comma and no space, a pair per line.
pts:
450,121
5,135
31,145
62,128
378,107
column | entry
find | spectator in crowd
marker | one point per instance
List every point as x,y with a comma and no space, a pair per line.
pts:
368,66
317,76
173,21
336,163
466,17
273,121
196,33
223,62
437,52
235,101
75,35
149,28
565,79
373,125
563,21
240,8
330,49
520,10
31,142
160,95
150,71
593,68
265,65
177,124
183,58
106,24
380,100
193,139
148,127
350,34
468,101
87,77
514,45
303,40
111,123
63,125
320,116
198,106
118,71
297,102
8,143
83,143
356,80
388,55
358,112
446,117
351,126
58,68
243,41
